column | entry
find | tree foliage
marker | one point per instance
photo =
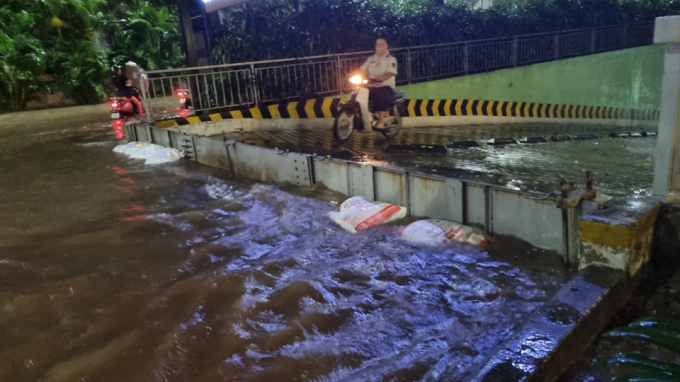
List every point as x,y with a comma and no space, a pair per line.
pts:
46,44
272,29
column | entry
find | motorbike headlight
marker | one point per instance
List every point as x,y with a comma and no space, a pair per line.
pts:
357,80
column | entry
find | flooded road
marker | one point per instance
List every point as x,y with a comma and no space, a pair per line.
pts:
113,271
622,166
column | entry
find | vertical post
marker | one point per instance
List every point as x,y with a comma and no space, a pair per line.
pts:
557,46
514,52
408,64
466,59
145,95
592,41
666,166
253,85
339,75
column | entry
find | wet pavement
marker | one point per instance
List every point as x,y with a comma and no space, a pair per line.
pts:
113,271
622,166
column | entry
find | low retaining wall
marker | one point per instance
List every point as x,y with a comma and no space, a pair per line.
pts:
319,114
497,209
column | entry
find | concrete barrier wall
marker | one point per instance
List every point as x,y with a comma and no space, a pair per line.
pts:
628,78
319,113
497,209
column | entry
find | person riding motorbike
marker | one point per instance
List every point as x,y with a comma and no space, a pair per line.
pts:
381,70
124,88
118,79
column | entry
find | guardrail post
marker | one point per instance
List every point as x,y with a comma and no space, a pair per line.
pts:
254,85
466,55
592,41
339,74
557,46
148,113
408,65
667,161
514,51
625,36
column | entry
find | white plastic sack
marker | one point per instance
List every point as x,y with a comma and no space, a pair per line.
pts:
357,214
144,152
125,149
436,232
165,155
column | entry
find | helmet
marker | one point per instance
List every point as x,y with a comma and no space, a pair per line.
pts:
116,67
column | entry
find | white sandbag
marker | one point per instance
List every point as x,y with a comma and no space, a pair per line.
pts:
144,152
124,149
357,214
165,155
436,232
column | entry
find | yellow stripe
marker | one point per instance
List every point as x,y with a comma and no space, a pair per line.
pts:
423,107
499,107
458,108
480,107
326,108
468,107
274,111
587,113
544,107
292,109
236,114
534,110
527,110
447,107
256,113
166,124
412,108
215,117
551,111
309,108
193,119
489,108
435,107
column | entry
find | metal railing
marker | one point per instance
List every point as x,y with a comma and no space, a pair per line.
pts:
255,83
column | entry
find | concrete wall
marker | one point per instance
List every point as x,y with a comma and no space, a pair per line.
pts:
628,78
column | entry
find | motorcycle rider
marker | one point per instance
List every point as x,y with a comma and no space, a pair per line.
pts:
381,70
124,88
118,79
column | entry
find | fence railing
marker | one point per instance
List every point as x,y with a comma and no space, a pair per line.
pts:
255,83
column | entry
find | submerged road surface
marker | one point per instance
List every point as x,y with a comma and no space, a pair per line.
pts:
112,271
622,166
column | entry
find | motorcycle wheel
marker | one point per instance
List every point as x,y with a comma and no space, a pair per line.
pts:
395,124
344,124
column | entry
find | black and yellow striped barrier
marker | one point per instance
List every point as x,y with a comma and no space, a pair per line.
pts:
328,108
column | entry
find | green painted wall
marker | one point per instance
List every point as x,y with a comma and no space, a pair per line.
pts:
626,78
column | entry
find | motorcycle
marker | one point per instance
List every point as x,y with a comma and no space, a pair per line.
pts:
184,100
121,107
356,113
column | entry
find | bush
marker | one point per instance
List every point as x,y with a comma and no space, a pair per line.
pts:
263,30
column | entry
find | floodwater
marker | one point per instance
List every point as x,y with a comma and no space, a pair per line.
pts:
621,166
113,271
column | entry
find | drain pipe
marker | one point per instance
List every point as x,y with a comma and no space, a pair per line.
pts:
570,203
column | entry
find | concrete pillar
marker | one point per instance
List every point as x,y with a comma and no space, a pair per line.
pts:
667,166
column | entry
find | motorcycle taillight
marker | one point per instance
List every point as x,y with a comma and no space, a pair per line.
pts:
114,105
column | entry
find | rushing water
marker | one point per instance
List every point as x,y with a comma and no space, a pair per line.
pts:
112,271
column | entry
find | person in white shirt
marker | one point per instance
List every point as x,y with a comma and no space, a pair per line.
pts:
381,70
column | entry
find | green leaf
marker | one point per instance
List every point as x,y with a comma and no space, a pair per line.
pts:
642,361
667,339
647,376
